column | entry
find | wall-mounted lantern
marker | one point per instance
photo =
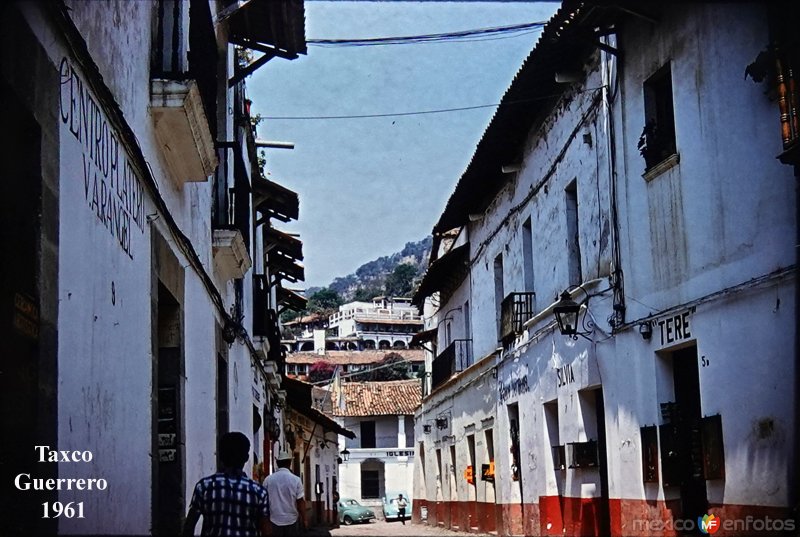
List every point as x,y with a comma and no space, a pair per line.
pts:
441,422
646,330
345,453
567,313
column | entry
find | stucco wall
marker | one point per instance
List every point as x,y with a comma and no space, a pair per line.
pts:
706,241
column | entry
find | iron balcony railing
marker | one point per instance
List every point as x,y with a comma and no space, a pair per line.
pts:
454,358
515,310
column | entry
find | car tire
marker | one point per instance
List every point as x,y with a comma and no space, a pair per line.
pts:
347,520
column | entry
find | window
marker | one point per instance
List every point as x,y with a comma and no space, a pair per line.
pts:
657,142
498,293
291,369
370,484
367,434
552,439
527,254
514,439
573,235
467,321
302,369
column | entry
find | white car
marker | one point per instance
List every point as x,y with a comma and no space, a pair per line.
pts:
390,511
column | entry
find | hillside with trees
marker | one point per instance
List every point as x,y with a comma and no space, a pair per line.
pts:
393,275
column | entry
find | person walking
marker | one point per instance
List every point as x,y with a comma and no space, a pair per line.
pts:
287,501
230,503
401,508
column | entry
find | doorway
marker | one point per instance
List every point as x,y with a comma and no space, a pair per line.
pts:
686,376
27,349
169,494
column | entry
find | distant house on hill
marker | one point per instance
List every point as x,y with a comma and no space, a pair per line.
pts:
384,323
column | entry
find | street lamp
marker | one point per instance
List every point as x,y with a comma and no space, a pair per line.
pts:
567,312
345,453
646,330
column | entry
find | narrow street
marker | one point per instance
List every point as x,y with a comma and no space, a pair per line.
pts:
518,267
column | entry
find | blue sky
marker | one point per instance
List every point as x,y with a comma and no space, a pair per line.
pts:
368,186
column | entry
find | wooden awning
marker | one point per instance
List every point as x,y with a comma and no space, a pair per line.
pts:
275,201
290,299
286,268
443,274
268,25
283,243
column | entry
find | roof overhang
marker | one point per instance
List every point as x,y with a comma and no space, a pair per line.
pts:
277,25
423,337
299,397
444,274
291,300
283,243
275,201
566,41
286,268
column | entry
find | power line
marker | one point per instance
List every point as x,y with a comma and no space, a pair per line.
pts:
477,34
388,114
420,112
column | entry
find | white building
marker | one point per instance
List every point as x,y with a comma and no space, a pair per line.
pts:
670,402
380,458
384,323
139,301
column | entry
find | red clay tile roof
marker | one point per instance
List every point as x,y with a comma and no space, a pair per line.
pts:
380,398
353,357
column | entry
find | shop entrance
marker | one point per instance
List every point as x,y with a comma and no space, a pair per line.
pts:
681,436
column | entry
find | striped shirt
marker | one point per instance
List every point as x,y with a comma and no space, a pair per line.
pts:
231,505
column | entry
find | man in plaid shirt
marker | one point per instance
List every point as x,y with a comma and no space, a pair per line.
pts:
231,504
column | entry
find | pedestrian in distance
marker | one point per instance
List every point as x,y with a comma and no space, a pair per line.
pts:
401,509
230,503
287,500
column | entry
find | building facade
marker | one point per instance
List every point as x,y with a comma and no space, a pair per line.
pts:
626,193
311,435
380,459
384,323
139,299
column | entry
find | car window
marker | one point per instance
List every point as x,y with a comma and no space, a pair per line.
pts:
351,502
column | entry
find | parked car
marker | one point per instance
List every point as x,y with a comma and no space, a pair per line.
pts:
351,511
390,505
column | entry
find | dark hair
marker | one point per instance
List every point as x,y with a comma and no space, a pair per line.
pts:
234,449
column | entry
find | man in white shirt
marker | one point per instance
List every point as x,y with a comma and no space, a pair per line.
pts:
287,504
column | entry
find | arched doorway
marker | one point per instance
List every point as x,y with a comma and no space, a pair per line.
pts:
372,481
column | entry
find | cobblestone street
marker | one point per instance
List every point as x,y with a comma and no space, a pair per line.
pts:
383,528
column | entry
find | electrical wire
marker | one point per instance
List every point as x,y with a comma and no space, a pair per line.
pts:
422,112
477,34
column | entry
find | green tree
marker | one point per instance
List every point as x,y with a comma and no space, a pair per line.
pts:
392,367
399,282
324,301
365,294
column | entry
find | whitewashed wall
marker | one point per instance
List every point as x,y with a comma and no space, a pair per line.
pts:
105,355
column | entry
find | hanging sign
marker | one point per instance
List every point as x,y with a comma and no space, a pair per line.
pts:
487,472
468,475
